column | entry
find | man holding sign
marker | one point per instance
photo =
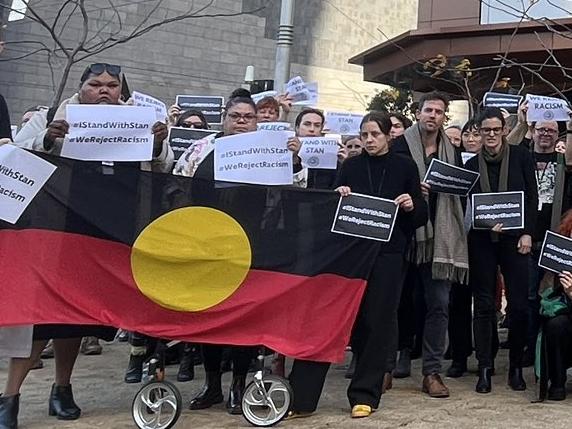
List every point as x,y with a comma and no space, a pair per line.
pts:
394,180
507,169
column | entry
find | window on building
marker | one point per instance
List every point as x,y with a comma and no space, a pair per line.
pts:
18,11
499,11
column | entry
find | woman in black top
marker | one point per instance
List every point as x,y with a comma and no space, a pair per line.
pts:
380,173
503,168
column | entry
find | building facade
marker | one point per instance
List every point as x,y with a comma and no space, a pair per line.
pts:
208,55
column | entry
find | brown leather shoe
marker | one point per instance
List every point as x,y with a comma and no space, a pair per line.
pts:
434,386
387,382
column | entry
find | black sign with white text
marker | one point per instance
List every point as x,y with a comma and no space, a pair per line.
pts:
449,179
181,138
556,253
501,207
365,216
510,102
211,107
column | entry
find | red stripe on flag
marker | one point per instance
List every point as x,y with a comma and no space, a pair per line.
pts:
58,277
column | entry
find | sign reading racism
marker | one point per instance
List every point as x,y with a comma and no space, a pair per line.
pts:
260,158
556,253
109,133
365,216
22,175
274,126
501,207
320,152
344,123
542,108
182,138
140,99
449,179
211,107
510,102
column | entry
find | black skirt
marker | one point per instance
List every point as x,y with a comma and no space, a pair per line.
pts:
50,332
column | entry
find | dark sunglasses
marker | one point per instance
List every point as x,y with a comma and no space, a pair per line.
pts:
100,68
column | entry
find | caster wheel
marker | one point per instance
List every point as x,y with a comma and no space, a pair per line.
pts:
266,402
157,405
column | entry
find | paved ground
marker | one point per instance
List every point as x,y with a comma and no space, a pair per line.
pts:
106,401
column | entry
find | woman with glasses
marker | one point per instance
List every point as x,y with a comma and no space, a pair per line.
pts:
471,137
502,168
99,84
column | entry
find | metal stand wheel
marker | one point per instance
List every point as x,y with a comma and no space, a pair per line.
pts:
266,400
157,405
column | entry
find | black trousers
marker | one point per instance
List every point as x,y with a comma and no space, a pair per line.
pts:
240,357
558,337
460,322
411,312
484,257
373,339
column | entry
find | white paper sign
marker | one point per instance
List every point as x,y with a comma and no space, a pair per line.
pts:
14,129
466,156
344,123
320,152
22,175
109,133
260,158
297,90
257,97
140,99
542,109
274,126
312,88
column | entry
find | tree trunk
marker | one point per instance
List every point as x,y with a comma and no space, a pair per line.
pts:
62,85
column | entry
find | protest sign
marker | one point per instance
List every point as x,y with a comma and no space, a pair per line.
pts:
510,102
312,88
297,90
211,107
466,156
14,129
274,126
144,100
320,152
257,97
542,108
450,179
109,133
344,123
260,158
182,138
500,207
556,253
22,175
365,216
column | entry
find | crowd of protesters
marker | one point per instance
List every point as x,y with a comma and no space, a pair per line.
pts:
435,286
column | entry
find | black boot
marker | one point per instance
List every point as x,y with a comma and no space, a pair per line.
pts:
134,371
515,380
9,406
484,384
211,393
187,367
62,404
554,393
234,404
457,369
403,367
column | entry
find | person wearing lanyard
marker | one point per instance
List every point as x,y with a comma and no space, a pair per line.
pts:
380,173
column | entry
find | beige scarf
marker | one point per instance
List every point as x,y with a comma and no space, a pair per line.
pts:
444,243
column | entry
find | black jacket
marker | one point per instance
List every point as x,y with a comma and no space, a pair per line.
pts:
5,129
391,176
520,178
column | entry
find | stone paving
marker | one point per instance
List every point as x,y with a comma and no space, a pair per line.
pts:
106,401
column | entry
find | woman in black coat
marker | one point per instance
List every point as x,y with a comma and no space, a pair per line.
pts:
381,173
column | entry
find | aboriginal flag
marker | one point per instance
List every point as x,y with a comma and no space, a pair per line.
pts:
185,259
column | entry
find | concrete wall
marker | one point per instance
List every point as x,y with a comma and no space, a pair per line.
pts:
209,55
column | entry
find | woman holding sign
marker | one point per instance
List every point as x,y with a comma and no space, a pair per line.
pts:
380,173
503,168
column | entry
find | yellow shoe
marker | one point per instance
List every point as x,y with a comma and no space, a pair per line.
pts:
359,411
296,415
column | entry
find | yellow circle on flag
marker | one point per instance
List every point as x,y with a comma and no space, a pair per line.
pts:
191,259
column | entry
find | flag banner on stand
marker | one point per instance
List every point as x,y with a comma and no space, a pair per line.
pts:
184,259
